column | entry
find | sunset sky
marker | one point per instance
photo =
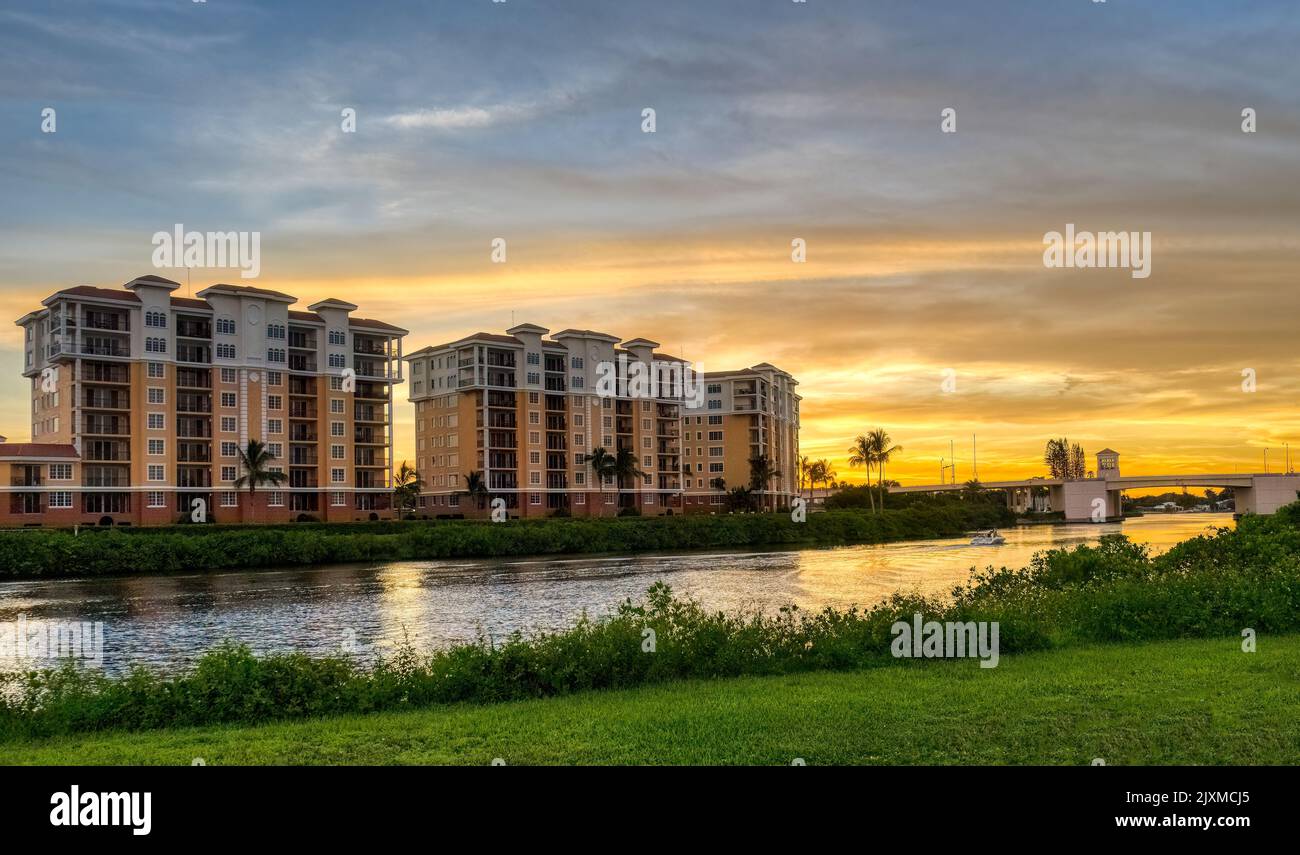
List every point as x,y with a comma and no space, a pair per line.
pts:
775,120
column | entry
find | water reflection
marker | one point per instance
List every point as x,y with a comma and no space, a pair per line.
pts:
170,620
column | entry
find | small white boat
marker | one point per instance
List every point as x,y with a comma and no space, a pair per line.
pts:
988,538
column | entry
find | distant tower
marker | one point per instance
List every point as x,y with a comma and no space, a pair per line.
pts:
1107,464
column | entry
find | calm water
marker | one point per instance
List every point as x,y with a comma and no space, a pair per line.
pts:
169,620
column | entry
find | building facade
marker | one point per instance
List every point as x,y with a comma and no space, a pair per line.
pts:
522,411
141,401
744,414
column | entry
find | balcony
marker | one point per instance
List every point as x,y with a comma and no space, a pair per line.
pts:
188,403
301,341
193,378
502,481
369,414
193,453
106,321
193,478
300,362
371,348
102,400
199,353
301,410
106,426
303,478
94,373
302,457
190,328
302,433
104,349
26,481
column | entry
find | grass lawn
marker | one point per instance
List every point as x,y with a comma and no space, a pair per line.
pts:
1183,702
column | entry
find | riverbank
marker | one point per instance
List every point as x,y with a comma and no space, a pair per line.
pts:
40,553
1178,702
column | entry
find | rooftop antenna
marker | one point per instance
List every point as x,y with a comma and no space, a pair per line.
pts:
974,459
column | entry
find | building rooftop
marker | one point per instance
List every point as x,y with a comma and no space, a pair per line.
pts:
37,450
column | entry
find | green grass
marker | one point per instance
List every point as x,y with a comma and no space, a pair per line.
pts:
1176,702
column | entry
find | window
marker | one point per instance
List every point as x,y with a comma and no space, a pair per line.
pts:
336,428
157,472
228,424
534,498
274,402
155,318
337,360
228,473
229,400
225,326
714,389
715,467
157,370
273,378
156,499
61,499
576,381
228,375
715,436
715,404
275,354
534,438
580,499
579,440
225,351
337,476
580,478
155,345
229,500
338,500
533,397
713,420
715,451
534,417
229,449
336,384
575,362
157,421
275,331
534,458
534,378
275,499
534,478
338,337
337,452
534,358
275,426
336,406
276,449
157,447
60,471
157,395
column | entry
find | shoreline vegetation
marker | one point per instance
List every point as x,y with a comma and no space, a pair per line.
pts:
1185,702
1224,586
47,553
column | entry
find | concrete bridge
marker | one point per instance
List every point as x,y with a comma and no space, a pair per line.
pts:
1098,499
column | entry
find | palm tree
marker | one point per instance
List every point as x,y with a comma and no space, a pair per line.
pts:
761,473
882,450
719,484
626,467
476,487
256,461
740,498
602,467
407,485
805,469
862,453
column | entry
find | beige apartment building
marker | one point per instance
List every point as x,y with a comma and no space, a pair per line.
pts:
744,414
141,400
523,411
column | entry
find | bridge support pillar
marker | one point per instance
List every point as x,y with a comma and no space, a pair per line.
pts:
1085,501
1268,493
